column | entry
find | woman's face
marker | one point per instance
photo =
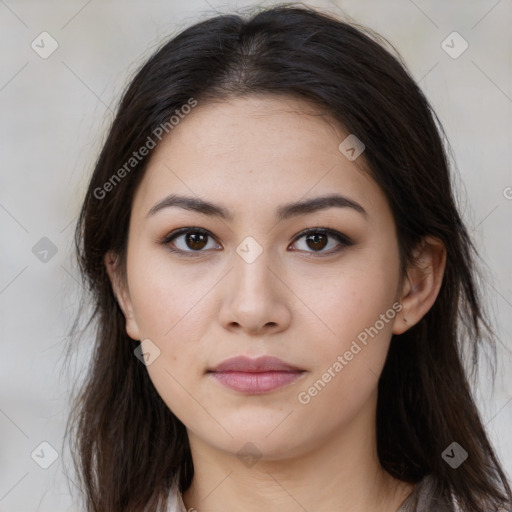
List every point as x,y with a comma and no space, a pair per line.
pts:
255,284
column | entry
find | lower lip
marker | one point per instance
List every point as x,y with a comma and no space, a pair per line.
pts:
256,383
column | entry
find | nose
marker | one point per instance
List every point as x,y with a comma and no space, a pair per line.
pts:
255,298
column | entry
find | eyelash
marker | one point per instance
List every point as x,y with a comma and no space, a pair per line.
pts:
344,240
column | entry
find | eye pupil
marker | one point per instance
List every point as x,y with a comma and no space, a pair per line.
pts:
315,237
196,240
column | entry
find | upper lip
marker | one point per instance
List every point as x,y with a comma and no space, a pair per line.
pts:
254,365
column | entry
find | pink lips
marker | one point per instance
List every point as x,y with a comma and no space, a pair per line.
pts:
255,376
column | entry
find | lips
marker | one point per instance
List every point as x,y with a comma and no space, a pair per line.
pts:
255,376
248,365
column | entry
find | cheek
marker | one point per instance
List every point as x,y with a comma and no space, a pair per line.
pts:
350,300
170,308
164,295
172,319
355,316
358,345
347,368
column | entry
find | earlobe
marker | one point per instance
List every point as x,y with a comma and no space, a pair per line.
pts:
121,294
422,283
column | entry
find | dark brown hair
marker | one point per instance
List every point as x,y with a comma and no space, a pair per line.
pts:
126,443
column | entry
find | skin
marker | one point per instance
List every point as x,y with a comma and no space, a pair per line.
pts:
295,301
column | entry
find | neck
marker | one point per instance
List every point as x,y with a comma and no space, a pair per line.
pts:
342,474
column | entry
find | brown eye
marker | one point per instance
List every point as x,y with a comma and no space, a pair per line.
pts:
195,241
318,239
189,240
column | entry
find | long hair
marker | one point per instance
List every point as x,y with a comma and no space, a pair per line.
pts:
127,445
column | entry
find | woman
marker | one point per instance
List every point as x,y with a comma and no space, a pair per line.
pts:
281,279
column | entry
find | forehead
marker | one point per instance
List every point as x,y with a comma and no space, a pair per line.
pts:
253,153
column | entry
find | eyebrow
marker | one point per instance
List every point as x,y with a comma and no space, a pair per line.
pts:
284,212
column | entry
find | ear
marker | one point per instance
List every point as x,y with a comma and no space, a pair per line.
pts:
122,294
422,283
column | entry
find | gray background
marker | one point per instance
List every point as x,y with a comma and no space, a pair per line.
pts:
54,115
